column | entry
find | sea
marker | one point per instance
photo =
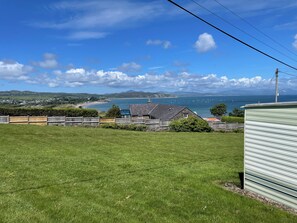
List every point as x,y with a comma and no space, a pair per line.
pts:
200,104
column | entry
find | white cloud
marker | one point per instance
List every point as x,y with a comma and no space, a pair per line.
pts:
248,82
50,84
295,42
164,43
156,67
76,75
129,67
205,43
57,72
286,26
89,14
92,18
182,81
105,13
73,84
76,71
167,81
153,42
10,70
49,61
83,35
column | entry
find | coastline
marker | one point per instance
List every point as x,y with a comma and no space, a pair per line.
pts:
142,98
86,104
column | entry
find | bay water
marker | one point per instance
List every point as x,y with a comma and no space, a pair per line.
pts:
200,104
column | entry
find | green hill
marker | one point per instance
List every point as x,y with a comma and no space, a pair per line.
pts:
29,98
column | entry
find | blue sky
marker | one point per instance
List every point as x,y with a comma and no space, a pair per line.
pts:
108,46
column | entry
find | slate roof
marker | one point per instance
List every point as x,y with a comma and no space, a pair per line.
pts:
156,111
166,112
141,109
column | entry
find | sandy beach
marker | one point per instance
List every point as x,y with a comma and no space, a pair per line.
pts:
86,104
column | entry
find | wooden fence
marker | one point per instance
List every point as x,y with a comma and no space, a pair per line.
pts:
152,124
27,120
4,119
51,120
224,126
107,120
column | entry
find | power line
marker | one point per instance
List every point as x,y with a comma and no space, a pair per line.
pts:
251,25
243,31
231,36
283,72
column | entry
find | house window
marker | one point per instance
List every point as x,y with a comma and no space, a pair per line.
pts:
186,115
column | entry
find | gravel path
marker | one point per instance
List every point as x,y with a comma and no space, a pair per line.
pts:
234,188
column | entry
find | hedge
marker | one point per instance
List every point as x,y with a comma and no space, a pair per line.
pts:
232,119
68,112
190,124
132,127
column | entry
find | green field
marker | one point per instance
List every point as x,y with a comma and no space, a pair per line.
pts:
60,174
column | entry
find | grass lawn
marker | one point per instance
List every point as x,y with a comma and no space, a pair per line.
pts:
60,174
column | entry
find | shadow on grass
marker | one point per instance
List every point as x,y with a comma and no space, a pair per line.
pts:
241,178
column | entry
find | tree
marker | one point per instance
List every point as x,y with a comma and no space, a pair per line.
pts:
237,113
114,112
219,110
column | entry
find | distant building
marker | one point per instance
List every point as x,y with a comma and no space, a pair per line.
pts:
160,111
212,119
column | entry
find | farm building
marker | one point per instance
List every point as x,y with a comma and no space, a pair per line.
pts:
270,151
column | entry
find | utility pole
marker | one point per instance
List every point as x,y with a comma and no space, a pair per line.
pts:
276,84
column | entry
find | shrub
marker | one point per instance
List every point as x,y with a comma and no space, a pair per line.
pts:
238,130
190,124
113,112
68,112
109,126
132,127
141,128
232,119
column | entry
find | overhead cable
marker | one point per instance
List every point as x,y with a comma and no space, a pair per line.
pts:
283,72
231,36
254,27
243,31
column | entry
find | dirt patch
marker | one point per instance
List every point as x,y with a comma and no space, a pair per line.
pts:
234,188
